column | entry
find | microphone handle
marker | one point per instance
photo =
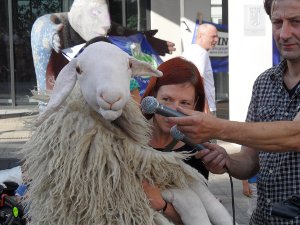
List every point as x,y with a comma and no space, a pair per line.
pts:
197,147
168,112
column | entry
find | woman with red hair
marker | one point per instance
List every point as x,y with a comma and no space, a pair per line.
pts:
180,85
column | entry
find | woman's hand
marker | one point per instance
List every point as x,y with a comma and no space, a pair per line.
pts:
215,158
158,203
153,193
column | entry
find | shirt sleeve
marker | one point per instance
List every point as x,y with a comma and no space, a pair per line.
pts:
252,114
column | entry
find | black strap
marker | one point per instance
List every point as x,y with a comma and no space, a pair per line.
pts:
170,146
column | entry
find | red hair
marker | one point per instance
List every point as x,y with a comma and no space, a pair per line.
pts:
177,71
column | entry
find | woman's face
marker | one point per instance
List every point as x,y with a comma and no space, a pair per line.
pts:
172,96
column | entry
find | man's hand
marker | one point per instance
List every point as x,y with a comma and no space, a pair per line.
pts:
197,126
215,158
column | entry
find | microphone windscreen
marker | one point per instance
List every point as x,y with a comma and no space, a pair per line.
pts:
176,134
149,105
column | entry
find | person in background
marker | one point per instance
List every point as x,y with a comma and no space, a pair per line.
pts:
250,190
206,39
275,97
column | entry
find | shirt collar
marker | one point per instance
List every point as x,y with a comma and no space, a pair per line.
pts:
278,71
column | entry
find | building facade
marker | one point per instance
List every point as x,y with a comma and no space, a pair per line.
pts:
17,76
175,21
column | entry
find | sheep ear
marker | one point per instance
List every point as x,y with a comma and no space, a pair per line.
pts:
142,68
64,84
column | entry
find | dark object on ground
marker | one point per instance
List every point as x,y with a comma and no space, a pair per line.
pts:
8,163
11,210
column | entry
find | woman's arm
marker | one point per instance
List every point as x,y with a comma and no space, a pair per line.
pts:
158,203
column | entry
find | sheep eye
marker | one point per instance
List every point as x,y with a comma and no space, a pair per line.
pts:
78,70
130,65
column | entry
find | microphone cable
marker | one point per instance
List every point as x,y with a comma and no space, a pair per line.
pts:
231,187
232,195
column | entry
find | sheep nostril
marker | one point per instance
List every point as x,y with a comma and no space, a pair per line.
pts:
110,101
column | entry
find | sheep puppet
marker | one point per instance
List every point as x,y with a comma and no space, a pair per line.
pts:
89,154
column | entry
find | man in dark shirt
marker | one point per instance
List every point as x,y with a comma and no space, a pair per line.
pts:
275,97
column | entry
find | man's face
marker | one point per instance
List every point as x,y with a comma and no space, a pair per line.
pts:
209,38
286,28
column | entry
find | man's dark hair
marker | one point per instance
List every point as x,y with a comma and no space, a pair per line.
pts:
268,7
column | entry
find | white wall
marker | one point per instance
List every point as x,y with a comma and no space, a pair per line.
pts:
167,17
250,46
191,8
250,52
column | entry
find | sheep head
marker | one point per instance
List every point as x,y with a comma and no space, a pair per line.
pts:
103,72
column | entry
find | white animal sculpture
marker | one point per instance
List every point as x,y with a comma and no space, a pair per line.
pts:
89,156
85,20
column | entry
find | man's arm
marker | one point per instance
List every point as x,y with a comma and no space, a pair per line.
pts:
244,164
267,136
277,136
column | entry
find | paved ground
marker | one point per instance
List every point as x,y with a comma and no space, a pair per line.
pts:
13,134
220,186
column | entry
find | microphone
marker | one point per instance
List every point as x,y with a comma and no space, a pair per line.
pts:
179,136
150,105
